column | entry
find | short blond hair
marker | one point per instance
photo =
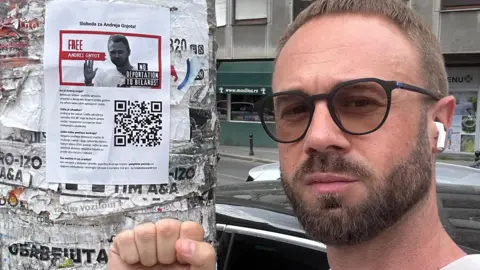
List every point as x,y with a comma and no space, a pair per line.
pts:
431,59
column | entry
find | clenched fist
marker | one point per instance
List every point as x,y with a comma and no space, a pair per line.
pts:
167,245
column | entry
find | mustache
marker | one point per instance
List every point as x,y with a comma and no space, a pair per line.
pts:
332,163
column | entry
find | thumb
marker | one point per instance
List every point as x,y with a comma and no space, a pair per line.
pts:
200,255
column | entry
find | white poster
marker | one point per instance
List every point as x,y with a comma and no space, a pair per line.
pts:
107,92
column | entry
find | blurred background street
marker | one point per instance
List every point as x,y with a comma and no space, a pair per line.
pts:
235,162
231,171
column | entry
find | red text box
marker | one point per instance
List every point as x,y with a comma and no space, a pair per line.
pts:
75,55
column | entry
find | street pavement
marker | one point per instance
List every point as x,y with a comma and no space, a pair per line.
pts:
236,161
231,171
260,154
270,155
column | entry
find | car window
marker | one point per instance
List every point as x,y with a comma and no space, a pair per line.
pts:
223,240
250,252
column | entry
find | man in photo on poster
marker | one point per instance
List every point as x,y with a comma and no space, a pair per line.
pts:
119,52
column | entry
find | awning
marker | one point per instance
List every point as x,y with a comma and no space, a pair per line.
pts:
245,77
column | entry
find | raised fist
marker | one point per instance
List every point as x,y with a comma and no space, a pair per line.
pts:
168,244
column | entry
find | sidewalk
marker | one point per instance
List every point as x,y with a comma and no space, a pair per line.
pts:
262,155
270,155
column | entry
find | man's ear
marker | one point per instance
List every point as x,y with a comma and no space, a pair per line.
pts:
444,110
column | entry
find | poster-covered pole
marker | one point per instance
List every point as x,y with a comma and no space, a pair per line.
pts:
107,121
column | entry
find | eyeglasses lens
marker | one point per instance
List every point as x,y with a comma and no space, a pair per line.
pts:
358,107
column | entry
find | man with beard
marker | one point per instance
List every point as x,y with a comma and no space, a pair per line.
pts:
359,89
119,51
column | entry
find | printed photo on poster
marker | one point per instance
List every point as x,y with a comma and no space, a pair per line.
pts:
110,59
107,93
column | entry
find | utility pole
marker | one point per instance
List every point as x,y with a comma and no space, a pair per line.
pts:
48,223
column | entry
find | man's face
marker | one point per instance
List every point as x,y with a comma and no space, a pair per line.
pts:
118,53
390,170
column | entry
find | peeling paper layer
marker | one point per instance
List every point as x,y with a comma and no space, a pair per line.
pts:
27,241
21,51
22,102
23,165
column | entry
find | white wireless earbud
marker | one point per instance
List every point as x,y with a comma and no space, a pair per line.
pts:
442,134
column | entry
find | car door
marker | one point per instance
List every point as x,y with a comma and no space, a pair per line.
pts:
242,248
459,209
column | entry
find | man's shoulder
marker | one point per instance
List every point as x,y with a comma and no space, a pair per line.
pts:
469,262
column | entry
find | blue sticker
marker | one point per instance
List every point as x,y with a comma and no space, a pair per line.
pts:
180,87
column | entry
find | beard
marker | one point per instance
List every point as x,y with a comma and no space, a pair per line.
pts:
331,221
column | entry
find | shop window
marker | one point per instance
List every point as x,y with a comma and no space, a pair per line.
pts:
222,106
221,12
242,109
250,11
453,4
461,135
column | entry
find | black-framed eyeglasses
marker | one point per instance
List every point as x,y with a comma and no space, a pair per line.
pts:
358,107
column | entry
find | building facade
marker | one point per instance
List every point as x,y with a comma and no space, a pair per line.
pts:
248,33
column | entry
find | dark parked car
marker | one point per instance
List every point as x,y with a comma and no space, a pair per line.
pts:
256,228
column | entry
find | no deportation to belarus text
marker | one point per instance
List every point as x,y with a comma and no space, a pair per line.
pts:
115,25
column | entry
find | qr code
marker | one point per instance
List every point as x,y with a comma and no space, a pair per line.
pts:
138,123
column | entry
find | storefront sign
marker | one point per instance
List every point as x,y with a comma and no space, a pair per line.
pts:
244,90
464,77
460,79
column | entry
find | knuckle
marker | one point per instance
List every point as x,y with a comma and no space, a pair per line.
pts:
168,228
145,231
125,237
126,247
149,261
192,229
129,259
